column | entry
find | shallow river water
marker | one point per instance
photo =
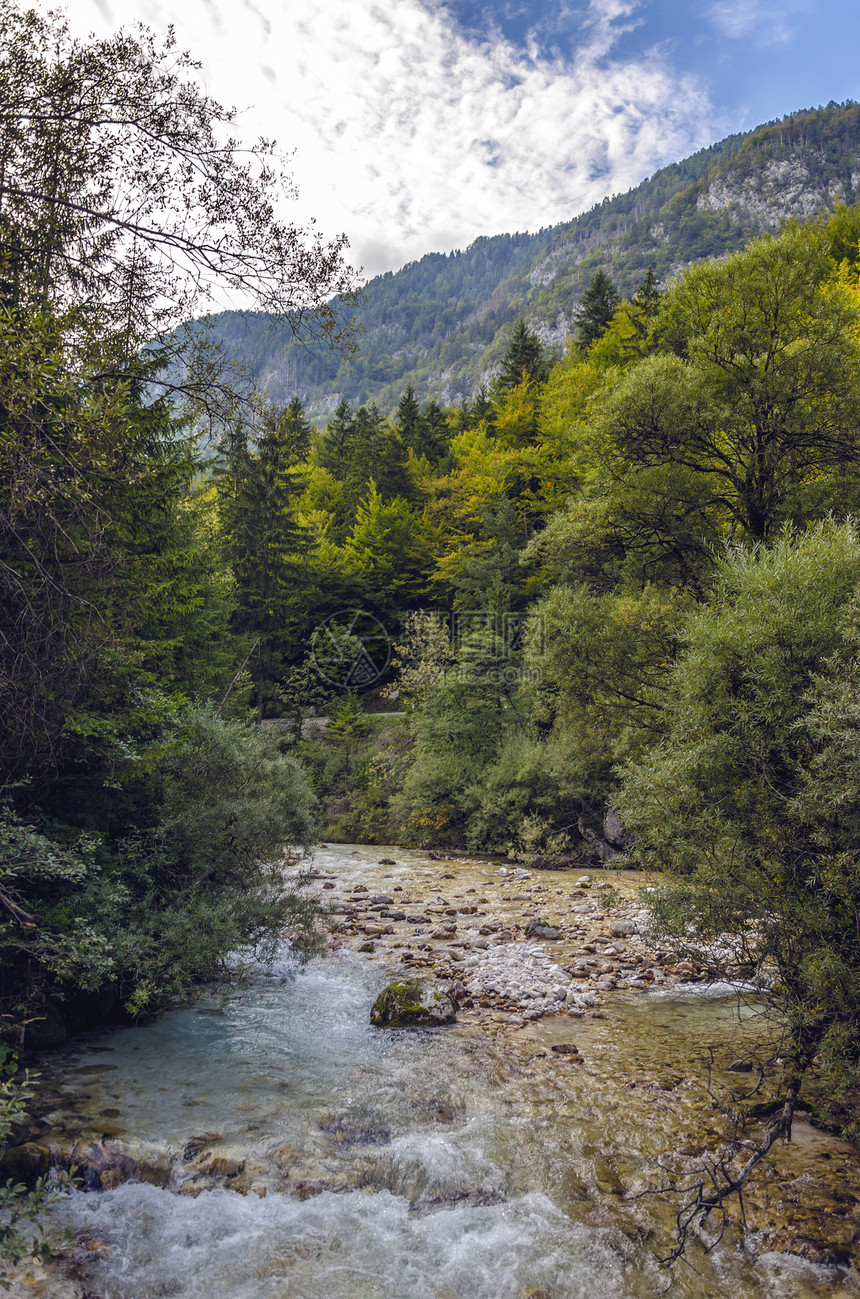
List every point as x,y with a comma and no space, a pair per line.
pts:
409,1164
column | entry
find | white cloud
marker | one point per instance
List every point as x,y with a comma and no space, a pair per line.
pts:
411,137
738,19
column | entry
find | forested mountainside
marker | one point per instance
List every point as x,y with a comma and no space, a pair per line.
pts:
442,323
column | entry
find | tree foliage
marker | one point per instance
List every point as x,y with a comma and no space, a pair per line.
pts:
125,200
749,797
597,309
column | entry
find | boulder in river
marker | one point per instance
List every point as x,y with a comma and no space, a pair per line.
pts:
538,928
413,1003
105,1166
25,1163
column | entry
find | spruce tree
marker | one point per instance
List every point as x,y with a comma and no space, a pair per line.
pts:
376,455
482,409
525,359
649,294
408,419
265,542
434,432
334,445
597,309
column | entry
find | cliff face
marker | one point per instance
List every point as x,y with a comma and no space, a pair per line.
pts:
442,323
785,188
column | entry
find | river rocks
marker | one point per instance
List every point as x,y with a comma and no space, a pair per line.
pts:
25,1163
342,1130
105,1166
496,956
522,974
538,928
217,1165
412,1003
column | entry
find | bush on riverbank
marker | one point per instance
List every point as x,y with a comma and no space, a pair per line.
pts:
116,922
752,797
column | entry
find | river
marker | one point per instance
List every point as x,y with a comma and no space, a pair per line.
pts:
409,1164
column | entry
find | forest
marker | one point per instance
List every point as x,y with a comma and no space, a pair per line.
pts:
621,583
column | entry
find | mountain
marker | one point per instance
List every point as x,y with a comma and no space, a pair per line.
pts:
441,323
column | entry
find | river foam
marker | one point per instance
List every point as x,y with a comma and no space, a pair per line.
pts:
357,1246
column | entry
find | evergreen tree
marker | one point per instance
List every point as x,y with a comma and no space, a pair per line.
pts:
525,359
595,312
266,544
377,456
482,409
295,431
334,445
346,729
408,419
649,295
434,433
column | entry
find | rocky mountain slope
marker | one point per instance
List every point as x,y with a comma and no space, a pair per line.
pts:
441,323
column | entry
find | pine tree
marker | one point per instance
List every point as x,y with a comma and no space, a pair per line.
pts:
649,294
295,431
266,544
595,312
434,433
646,304
482,409
376,455
408,419
336,440
524,359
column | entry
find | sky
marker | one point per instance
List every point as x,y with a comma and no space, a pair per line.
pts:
418,125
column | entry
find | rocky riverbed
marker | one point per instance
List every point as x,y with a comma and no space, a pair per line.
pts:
505,1155
518,944
518,947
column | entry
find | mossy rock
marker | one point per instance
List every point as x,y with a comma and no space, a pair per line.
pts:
412,1003
25,1164
537,927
